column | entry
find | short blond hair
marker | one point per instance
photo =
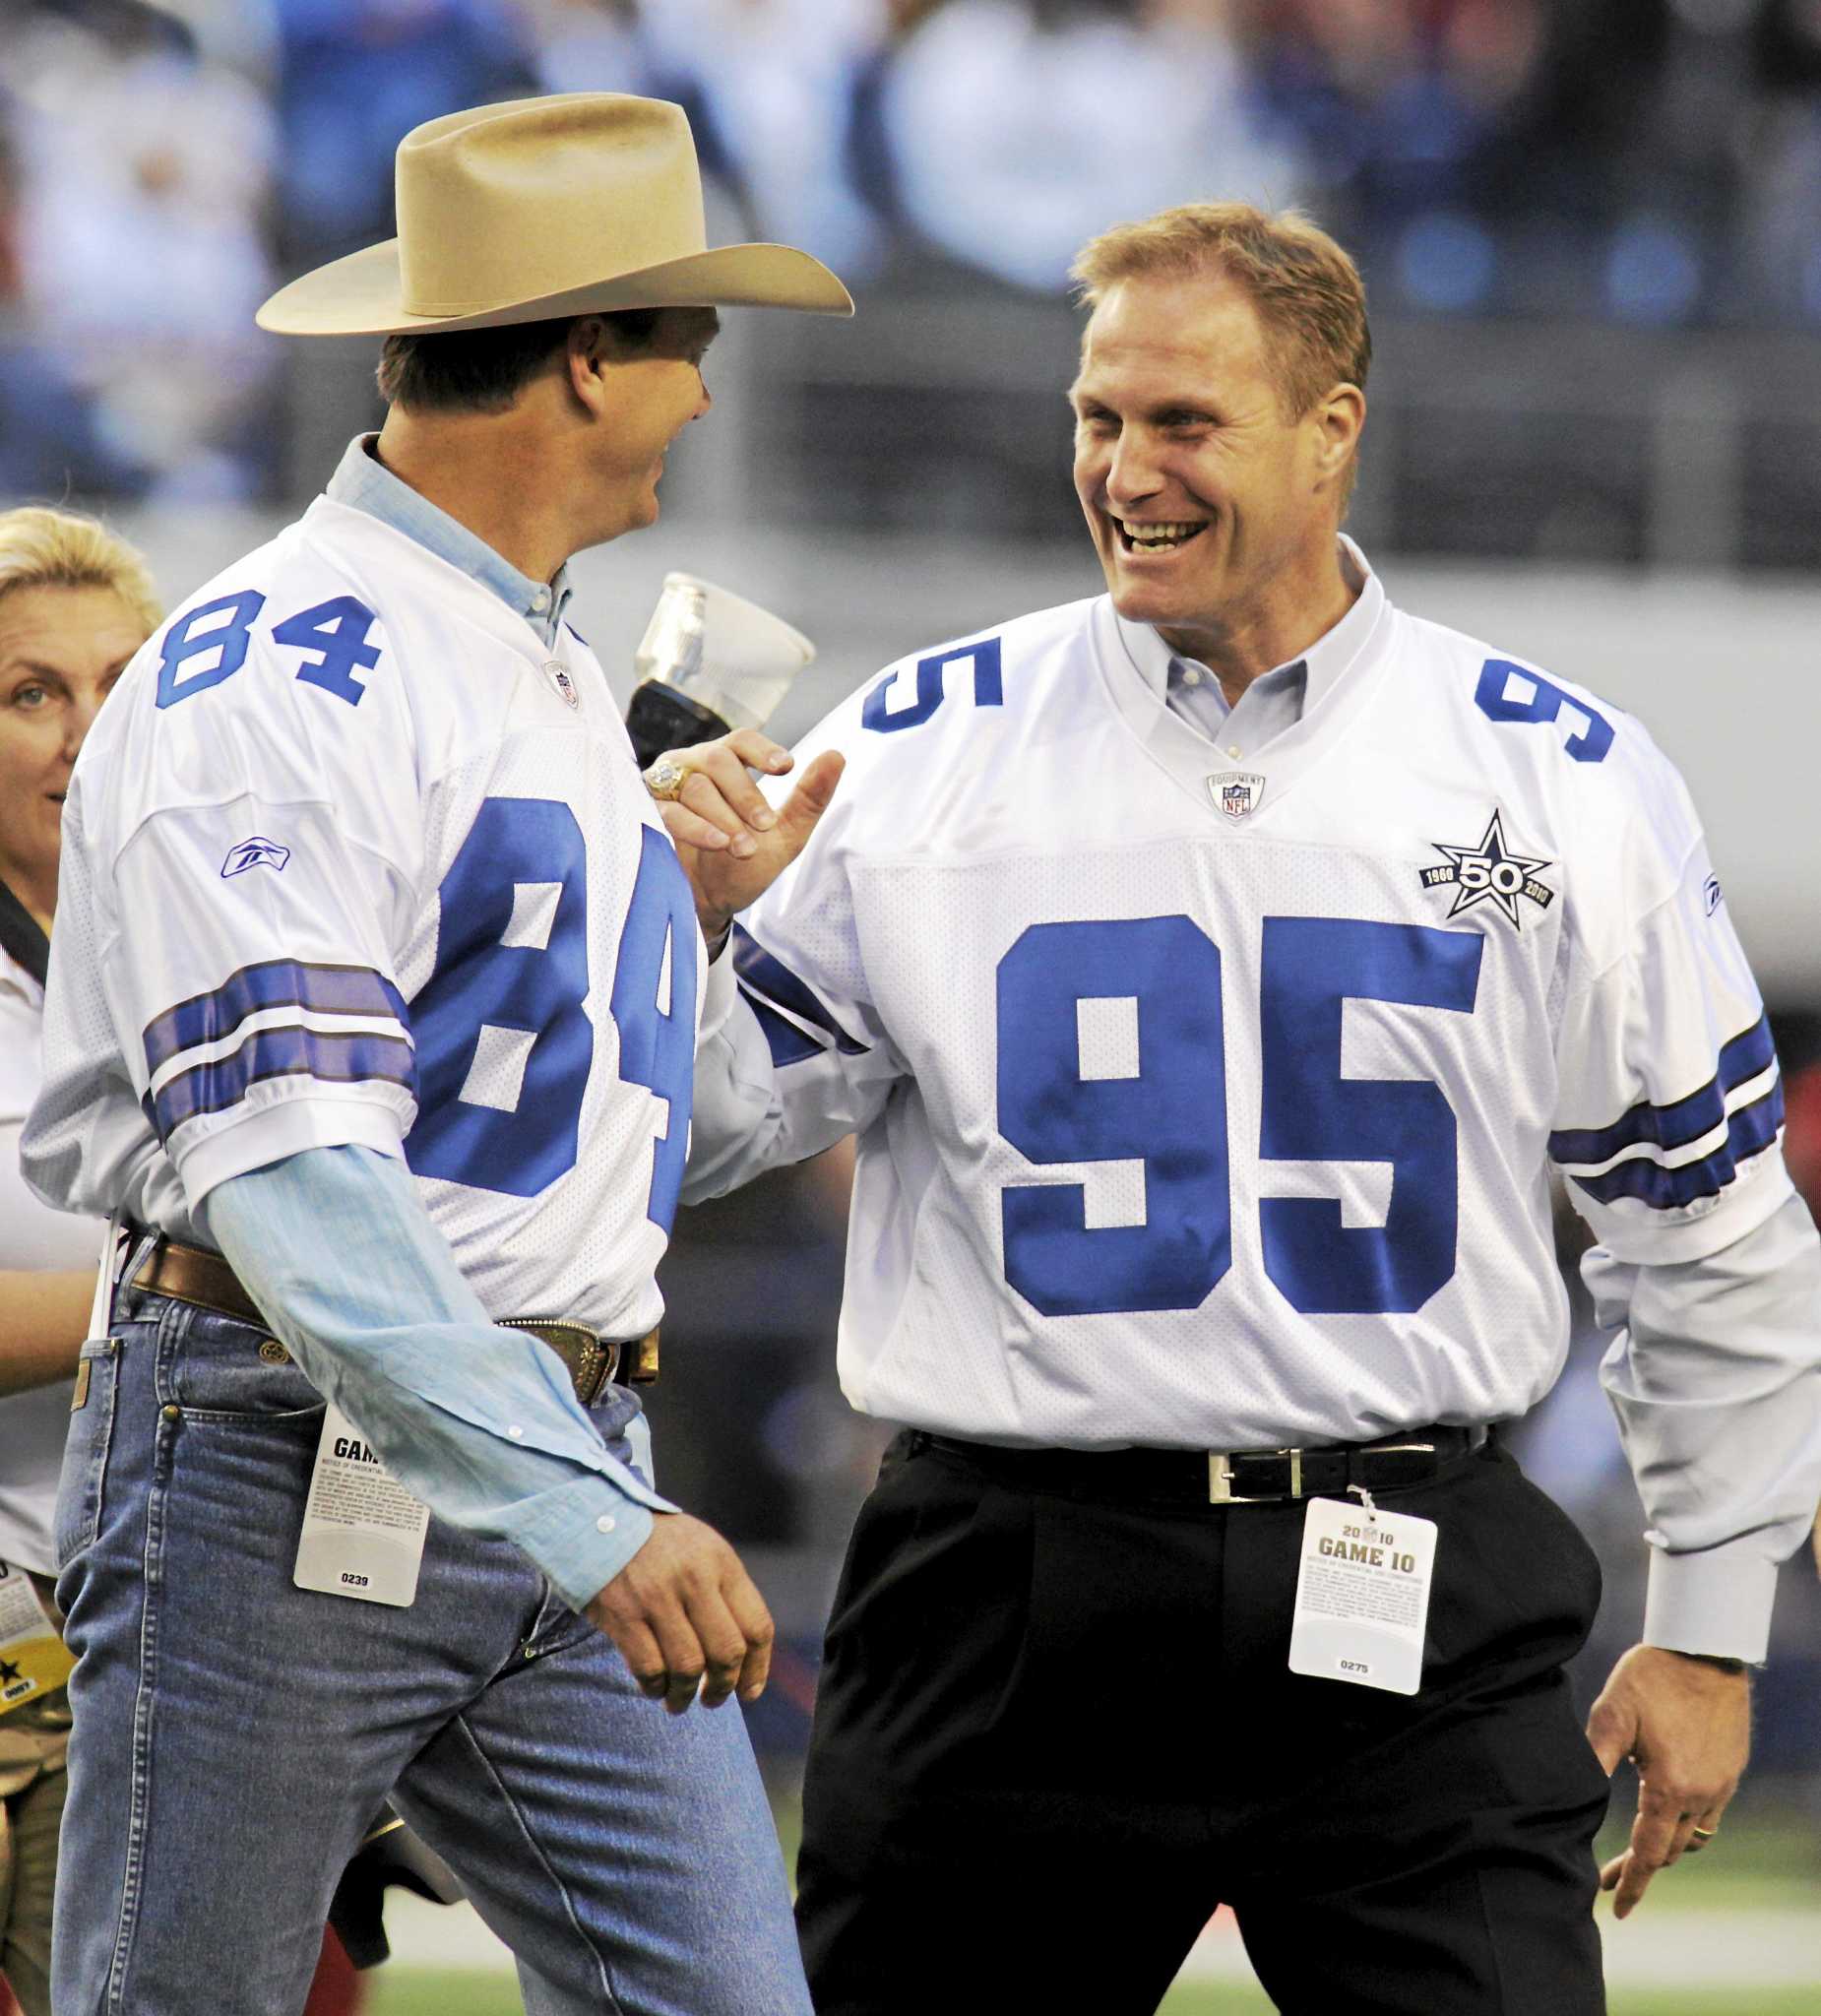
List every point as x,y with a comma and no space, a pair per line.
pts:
44,548
1307,291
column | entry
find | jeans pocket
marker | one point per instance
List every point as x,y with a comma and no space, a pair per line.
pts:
229,1375
85,1452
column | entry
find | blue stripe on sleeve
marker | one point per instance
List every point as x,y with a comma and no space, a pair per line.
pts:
1684,1120
273,983
763,975
1753,1128
283,1053
789,1046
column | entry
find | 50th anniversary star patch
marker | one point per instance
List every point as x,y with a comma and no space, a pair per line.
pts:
1490,873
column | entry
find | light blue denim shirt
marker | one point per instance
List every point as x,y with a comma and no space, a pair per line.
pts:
336,1246
1277,700
363,480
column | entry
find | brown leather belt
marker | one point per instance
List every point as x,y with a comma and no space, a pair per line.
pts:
191,1274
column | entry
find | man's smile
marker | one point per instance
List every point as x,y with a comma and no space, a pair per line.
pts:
1159,535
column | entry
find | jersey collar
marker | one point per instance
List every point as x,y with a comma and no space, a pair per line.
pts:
1323,662
1350,655
363,481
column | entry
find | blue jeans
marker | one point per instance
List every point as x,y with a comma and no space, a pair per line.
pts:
234,1735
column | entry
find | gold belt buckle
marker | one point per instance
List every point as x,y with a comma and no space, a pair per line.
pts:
590,1361
642,1367
600,1360
593,1361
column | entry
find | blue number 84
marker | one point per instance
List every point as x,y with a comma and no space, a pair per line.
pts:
491,984
1172,1114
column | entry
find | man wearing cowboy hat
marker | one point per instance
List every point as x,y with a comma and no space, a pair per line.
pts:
373,1028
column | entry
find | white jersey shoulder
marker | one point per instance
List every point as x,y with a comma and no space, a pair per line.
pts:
1600,791
362,860
423,661
954,709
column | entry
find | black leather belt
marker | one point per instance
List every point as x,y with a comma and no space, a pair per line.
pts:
193,1274
1215,1477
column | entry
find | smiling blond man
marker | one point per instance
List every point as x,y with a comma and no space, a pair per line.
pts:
1213,971
1217,410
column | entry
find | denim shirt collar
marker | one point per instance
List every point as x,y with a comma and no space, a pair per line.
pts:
363,481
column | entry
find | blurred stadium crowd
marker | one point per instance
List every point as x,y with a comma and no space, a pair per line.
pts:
1646,162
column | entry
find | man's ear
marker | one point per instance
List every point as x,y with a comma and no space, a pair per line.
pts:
1339,418
588,355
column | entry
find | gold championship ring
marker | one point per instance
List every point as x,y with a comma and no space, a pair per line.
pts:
666,779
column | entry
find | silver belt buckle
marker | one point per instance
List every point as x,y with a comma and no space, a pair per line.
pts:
1221,1477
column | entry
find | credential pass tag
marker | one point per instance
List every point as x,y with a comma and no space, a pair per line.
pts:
1363,1596
362,1530
33,1658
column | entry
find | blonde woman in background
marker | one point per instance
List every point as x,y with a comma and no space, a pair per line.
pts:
74,605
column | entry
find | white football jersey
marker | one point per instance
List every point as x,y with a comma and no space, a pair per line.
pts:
352,857
1214,1105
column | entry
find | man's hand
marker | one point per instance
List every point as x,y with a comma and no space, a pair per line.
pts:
732,846
1685,1722
685,1615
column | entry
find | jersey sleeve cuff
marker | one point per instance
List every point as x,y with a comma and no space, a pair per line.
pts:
1717,1601
276,1132
1643,1237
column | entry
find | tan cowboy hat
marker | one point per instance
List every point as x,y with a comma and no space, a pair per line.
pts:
568,205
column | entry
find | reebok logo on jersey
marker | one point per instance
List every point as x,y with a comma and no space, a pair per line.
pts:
257,853
1490,873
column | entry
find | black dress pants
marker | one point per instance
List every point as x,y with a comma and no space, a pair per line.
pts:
1053,1734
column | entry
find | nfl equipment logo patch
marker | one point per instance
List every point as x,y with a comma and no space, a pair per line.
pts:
559,676
1236,793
